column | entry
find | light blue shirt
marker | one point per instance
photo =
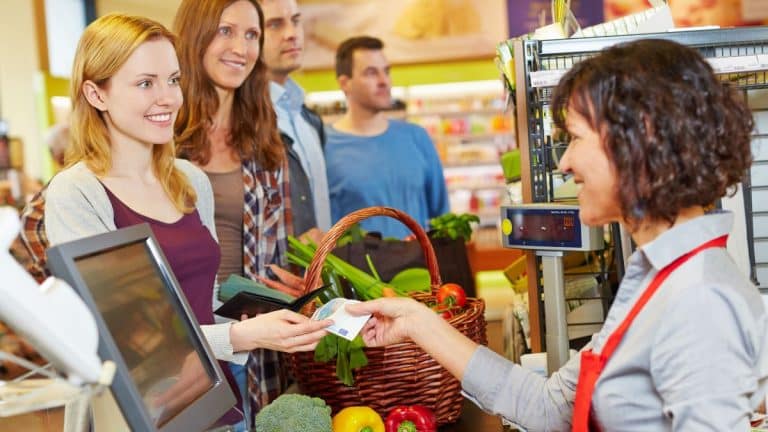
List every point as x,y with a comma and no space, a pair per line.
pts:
694,359
398,168
288,100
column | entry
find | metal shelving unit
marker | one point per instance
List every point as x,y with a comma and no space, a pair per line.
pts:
739,56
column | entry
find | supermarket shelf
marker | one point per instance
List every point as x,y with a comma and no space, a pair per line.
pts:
474,187
473,164
489,218
457,113
478,136
723,64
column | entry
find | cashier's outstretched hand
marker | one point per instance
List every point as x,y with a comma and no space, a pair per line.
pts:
394,320
400,319
281,330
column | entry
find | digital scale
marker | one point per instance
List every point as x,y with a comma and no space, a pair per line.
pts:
550,230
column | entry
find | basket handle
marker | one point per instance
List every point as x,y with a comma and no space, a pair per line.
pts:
312,279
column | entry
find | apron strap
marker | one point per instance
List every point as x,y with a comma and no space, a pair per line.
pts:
615,338
592,364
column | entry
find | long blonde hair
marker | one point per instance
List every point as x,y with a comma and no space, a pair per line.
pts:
104,47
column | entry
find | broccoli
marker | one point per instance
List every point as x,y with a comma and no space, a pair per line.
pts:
294,412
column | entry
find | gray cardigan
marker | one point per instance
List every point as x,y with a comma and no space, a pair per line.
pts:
77,206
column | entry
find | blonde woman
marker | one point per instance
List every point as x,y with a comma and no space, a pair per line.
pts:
121,171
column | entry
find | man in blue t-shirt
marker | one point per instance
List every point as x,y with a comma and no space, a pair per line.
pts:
372,160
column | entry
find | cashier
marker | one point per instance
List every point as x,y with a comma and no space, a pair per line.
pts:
655,139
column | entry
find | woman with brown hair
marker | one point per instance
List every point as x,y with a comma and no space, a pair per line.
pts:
655,139
229,129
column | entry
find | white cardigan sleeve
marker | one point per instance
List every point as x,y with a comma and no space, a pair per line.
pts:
217,336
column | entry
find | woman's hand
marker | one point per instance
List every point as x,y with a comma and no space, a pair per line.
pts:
281,330
394,320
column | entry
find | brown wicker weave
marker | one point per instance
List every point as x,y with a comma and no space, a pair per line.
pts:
400,374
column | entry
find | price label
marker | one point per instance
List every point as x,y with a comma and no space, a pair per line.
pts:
735,64
546,78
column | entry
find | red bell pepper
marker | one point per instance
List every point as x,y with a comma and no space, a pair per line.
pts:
412,418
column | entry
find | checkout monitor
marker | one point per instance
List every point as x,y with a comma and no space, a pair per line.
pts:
167,378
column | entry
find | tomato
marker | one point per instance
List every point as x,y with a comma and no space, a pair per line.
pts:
451,294
444,311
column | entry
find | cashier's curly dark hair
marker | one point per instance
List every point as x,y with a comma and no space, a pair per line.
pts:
676,135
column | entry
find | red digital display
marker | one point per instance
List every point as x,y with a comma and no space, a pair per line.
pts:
568,221
544,227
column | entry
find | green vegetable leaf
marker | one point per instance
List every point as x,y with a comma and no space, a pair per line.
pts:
357,358
343,371
354,234
349,355
366,285
453,226
357,342
326,349
411,280
371,267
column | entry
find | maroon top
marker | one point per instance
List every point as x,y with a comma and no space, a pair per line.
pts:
194,258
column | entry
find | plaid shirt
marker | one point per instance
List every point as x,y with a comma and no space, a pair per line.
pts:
33,236
267,222
29,250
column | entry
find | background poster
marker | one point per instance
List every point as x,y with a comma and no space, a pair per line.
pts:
754,9
412,30
696,13
528,15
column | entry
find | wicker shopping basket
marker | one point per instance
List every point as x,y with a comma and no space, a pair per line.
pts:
400,374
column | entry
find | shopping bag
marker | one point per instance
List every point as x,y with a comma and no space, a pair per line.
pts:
391,256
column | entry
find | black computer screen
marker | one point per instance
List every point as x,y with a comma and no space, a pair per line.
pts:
147,330
167,378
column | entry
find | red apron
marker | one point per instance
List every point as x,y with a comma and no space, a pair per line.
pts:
592,364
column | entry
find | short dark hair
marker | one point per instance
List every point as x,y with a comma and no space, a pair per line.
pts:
676,135
346,52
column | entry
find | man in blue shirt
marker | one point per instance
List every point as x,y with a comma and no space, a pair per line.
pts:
373,160
301,128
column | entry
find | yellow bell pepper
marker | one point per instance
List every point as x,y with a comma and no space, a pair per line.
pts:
358,419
